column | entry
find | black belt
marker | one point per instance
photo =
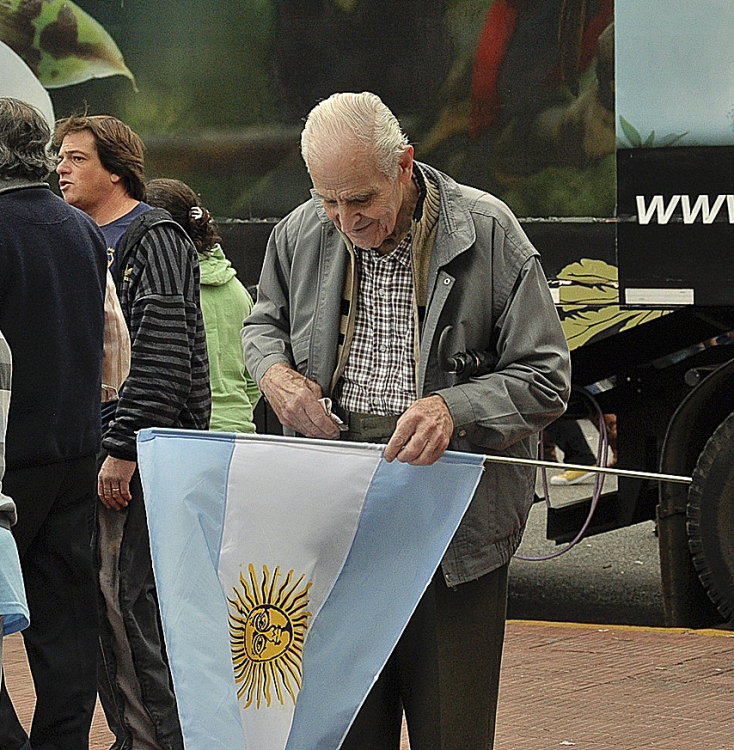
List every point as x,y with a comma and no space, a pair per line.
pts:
367,428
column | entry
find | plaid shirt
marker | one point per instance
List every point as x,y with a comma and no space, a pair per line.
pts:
379,377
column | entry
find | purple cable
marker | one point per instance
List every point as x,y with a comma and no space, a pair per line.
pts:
601,459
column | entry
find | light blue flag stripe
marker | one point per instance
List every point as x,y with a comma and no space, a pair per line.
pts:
409,517
13,605
185,482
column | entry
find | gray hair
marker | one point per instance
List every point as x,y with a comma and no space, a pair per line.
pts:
24,138
365,119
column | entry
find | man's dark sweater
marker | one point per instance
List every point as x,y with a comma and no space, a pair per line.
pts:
52,284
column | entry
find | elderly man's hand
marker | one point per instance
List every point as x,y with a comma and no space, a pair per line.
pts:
295,400
422,433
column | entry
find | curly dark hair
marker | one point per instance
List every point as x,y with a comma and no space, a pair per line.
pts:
24,134
185,207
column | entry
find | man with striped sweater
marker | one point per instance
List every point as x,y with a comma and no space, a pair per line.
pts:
156,272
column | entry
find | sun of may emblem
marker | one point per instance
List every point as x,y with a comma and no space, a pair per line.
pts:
267,627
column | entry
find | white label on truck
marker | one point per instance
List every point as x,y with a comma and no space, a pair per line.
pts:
658,296
690,207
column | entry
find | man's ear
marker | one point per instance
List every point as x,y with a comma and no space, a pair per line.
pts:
114,178
405,166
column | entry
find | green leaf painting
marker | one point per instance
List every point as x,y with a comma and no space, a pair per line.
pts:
589,303
634,139
59,42
18,81
631,133
346,5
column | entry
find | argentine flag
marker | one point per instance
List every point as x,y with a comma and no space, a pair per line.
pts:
287,570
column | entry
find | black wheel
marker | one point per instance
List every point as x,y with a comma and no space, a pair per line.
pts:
710,515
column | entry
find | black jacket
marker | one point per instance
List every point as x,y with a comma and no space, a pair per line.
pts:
52,281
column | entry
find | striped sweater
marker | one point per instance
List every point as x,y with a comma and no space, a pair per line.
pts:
157,279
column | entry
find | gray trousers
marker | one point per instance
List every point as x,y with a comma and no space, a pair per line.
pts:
444,672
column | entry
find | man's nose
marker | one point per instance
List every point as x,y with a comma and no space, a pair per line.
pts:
62,166
347,216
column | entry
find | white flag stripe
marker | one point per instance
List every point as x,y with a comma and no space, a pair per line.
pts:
296,521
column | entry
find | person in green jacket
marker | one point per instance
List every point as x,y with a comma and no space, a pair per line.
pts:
225,303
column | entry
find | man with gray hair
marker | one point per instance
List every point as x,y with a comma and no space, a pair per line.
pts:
52,286
367,292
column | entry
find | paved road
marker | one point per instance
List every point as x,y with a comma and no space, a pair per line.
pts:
611,578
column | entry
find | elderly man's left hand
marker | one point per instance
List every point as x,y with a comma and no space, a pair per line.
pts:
422,433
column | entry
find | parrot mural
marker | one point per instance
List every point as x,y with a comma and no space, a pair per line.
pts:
527,49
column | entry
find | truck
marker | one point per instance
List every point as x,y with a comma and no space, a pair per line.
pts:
606,125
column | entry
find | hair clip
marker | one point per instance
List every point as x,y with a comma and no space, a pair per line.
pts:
196,213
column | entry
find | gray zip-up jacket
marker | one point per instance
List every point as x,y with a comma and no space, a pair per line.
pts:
486,291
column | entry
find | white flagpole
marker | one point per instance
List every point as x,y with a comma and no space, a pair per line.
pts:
594,469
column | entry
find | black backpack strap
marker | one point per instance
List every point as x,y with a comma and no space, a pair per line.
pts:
138,228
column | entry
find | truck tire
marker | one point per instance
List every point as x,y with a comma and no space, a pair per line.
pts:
710,517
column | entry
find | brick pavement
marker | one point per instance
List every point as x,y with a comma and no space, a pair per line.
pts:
611,687
21,691
582,686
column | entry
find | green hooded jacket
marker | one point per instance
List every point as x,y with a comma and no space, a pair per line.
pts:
225,303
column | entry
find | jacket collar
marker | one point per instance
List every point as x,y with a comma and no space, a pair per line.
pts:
456,231
18,183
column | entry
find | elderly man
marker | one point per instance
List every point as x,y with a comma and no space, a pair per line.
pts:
52,289
366,291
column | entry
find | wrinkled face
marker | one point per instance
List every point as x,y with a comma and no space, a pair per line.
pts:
362,201
83,181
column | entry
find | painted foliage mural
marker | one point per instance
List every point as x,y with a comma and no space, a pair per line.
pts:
514,96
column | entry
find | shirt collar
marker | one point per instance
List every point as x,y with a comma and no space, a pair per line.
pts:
401,254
